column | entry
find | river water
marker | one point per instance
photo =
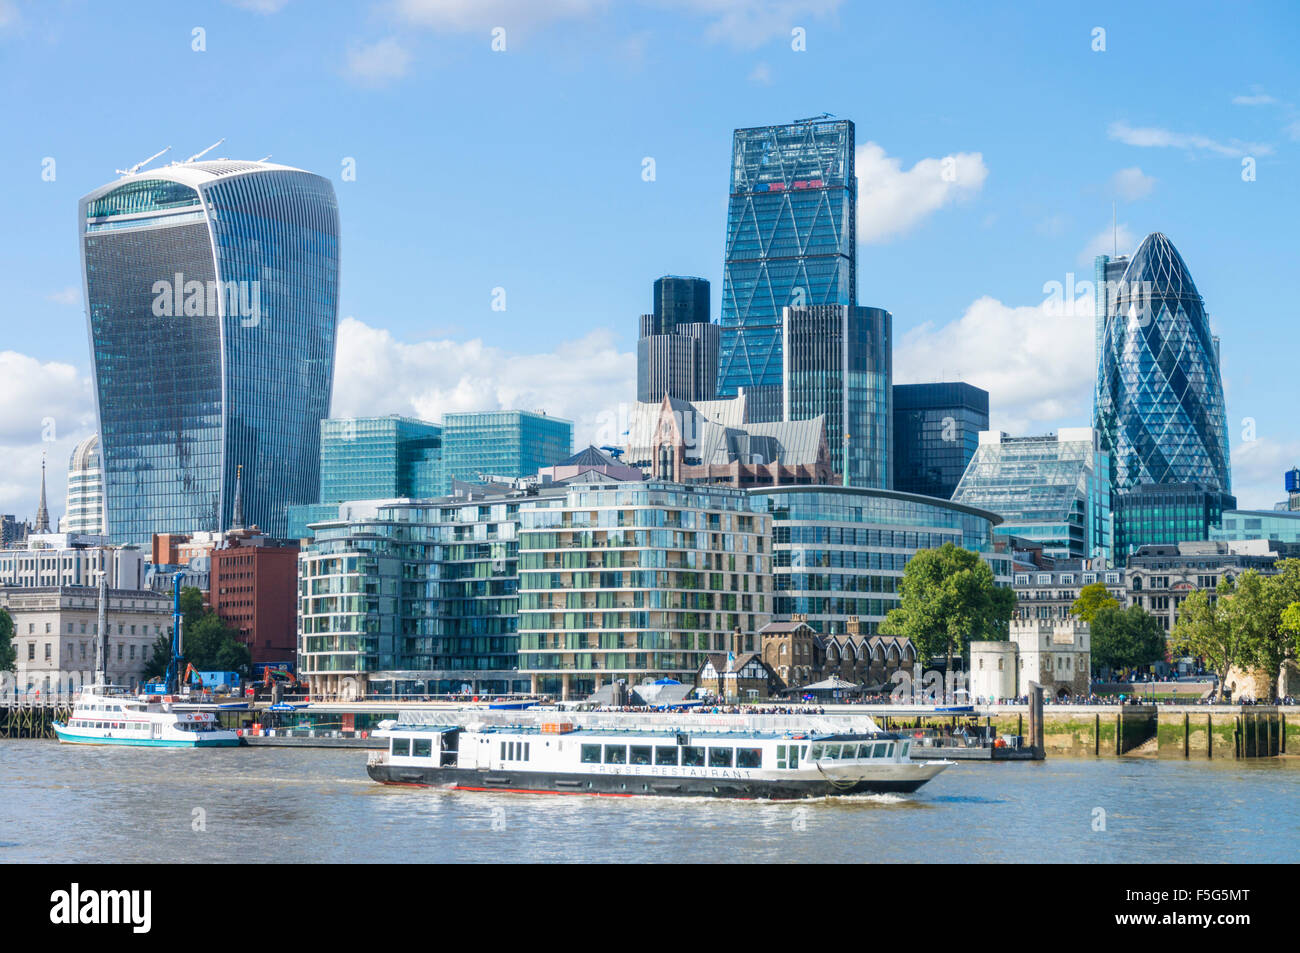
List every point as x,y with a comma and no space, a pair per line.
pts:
66,803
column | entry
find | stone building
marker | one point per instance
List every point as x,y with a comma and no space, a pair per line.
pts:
799,655
744,677
1055,654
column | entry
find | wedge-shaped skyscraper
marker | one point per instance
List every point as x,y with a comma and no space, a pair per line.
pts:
212,303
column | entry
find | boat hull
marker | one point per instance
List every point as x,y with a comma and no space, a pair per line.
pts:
631,785
69,737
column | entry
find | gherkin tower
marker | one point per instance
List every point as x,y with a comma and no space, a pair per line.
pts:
1160,407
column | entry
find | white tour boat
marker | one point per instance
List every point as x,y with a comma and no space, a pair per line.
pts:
111,715
562,758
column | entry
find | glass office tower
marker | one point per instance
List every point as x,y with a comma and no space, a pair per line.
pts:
506,443
937,428
791,242
677,349
837,363
212,303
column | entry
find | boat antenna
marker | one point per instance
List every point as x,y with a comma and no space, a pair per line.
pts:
199,155
140,165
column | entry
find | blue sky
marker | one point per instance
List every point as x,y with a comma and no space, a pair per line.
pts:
522,169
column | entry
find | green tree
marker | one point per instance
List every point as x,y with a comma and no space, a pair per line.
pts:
948,598
1093,598
8,654
1126,638
1204,630
1291,619
211,645
156,667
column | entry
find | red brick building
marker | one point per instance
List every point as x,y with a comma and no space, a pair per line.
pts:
254,589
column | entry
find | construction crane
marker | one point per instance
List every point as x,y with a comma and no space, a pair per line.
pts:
199,155
173,664
140,165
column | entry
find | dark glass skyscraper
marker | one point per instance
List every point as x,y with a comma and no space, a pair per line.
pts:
791,227
212,302
936,431
677,350
838,362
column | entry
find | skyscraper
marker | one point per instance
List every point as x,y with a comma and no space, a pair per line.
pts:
212,302
677,351
1160,409
791,227
936,431
837,363
85,513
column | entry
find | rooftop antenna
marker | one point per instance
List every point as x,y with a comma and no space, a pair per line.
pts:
140,165
265,157
204,152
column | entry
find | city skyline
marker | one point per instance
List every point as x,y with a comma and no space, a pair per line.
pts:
1000,228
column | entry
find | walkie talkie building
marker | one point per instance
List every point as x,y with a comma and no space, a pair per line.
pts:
212,304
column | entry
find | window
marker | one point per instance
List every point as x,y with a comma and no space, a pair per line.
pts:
422,747
749,757
401,747
616,754
880,749
720,757
639,754
692,757
590,754
665,755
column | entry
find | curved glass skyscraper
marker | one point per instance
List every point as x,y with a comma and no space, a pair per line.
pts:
1160,405
212,303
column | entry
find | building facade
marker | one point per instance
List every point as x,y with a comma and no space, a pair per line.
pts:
419,597
506,443
791,242
85,511
936,432
1168,513
839,552
253,586
56,635
1054,654
838,365
73,561
1280,527
1051,489
677,349
372,458
212,298
638,581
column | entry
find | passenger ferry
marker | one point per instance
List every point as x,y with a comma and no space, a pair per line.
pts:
111,715
561,758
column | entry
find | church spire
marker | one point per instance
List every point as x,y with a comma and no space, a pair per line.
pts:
42,511
237,522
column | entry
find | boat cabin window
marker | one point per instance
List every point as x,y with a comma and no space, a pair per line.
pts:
639,754
401,747
665,755
422,747
616,754
749,757
591,754
881,748
692,756
720,757
792,761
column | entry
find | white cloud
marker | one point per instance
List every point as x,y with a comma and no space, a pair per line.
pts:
1036,361
1132,184
761,74
1257,468
747,24
45,408
261,6
8,13
1154,136
892,201
1257,97
588,380
469,15
1107,242
378,63
70,296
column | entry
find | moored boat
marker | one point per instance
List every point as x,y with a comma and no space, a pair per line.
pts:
111,715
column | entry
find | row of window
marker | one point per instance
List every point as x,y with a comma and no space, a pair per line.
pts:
687,756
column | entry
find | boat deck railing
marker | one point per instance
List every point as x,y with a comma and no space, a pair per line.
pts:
645,721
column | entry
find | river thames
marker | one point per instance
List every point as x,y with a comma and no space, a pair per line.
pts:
72,804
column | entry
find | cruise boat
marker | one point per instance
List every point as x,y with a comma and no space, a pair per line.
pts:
111,715
562,758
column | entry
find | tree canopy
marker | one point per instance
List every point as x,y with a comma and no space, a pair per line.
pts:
8,654
948,598
1126,638
1092,598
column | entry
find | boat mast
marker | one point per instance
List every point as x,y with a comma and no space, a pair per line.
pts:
102,624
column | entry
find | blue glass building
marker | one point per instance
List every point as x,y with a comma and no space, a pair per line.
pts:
936,431
838,364
507,443
212,302
791,242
